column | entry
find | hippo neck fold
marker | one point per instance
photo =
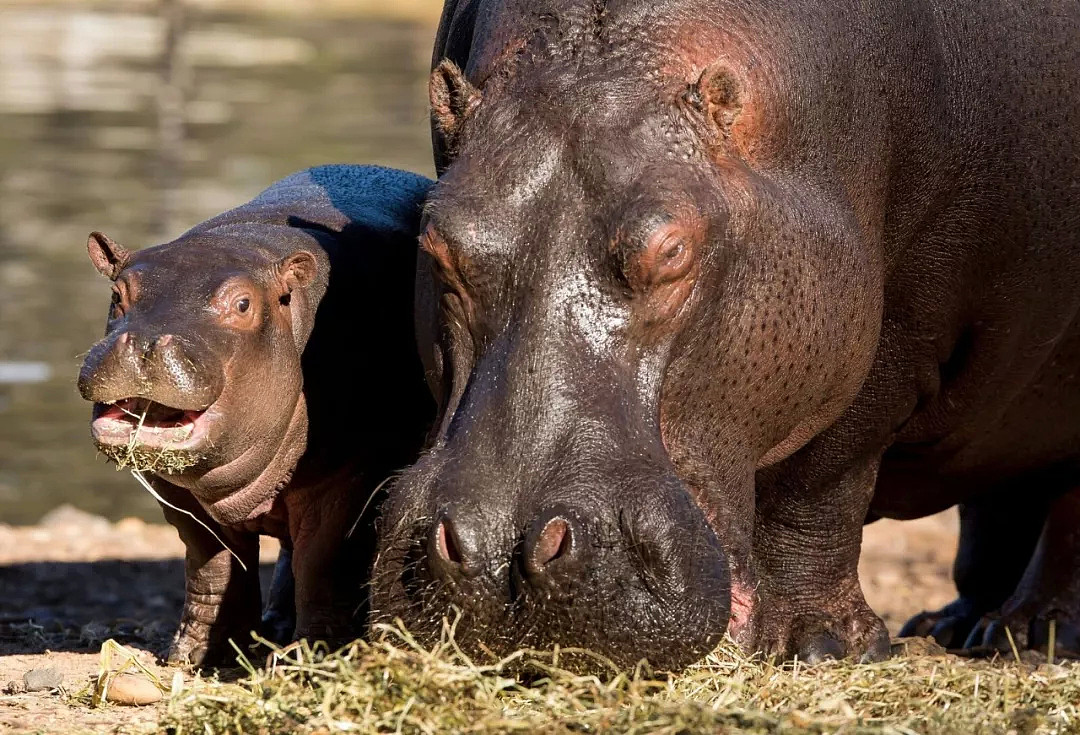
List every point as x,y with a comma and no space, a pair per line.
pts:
238,503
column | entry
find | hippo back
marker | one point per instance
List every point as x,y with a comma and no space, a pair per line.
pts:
334,198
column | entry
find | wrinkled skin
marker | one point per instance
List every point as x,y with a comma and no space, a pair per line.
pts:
271,349
717,281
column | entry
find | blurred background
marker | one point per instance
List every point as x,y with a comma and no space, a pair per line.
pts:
141,118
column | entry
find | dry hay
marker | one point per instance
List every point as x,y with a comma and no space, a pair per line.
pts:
396,685
137,457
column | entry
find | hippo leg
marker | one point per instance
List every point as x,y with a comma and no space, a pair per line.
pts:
1048,591
325,566
279,613
997,538
807,535
221,599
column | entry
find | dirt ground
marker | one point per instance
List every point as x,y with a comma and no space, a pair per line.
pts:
75,580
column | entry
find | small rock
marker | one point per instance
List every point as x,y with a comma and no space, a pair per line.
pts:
131,689
67,516
130,525
40,680
916,646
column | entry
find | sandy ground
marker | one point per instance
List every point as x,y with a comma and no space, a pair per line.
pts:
75,580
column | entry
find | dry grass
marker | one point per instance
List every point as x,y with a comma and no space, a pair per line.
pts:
137,457
396,685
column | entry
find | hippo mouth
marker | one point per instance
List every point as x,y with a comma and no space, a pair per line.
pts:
131,423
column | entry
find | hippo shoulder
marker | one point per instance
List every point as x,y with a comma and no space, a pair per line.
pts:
335,198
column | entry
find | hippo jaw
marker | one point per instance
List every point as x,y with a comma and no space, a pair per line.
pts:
131,429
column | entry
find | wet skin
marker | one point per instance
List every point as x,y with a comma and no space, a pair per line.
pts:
713,283
270,351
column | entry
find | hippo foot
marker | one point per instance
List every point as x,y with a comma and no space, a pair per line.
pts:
277,626
1049,592
950,626
199,644
279,615
192,646
845,627
1029,623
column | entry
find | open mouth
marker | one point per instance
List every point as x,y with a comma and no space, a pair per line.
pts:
140,422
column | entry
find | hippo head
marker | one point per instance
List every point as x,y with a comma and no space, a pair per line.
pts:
198,378
549,511
629,323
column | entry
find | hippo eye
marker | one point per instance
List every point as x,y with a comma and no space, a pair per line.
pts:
672,250
243,305
116,308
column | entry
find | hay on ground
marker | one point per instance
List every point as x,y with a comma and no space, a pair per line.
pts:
396,685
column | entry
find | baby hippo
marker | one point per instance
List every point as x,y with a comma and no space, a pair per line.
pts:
262,374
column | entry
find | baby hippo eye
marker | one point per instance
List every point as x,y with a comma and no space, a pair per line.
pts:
672,249
243,305
116,308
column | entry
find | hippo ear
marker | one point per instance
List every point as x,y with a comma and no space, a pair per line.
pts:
304,276
453,98
716,94
298,270
107,256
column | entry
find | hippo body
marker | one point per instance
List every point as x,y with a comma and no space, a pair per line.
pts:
716,281
285,420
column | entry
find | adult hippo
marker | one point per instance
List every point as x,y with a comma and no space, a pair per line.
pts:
261,369
718,281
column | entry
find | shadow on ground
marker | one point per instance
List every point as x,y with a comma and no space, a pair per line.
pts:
74,606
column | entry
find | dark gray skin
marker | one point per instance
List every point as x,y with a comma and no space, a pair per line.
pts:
275,342
717,282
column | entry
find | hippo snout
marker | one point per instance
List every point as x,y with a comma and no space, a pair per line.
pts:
162,368
625,582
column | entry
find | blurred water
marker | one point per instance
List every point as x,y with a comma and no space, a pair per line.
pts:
109,121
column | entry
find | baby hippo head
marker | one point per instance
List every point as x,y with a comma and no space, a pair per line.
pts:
198,377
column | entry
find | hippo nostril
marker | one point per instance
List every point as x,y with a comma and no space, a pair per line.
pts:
163,340
554,541
551,540
455,548
446,544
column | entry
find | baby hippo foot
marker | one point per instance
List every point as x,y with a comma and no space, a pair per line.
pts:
203,639
279,614
841,627
1049,592
950,626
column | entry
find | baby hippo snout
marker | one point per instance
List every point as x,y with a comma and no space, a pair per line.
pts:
161,367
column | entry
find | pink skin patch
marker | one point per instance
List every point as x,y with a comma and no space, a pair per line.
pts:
158,426
742,607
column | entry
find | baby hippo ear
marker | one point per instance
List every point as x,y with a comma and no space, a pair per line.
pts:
716,94
107,256
298,270
453,98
